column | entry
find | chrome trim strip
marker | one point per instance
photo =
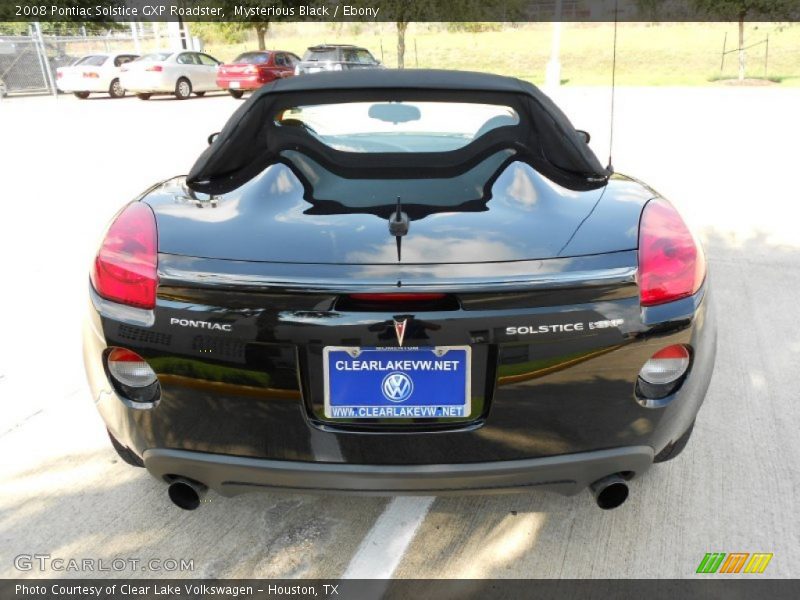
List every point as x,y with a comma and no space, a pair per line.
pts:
141,317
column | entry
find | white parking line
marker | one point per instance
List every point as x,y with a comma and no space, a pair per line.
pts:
384,546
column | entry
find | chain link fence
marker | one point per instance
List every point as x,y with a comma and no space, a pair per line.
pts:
28,61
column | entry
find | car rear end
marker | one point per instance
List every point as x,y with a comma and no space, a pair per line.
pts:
151,73
88,74
318,59
249,71
535,338
251,379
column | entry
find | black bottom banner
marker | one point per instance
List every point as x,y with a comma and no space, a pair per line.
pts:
417,589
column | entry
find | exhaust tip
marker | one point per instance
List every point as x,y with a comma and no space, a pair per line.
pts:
610,492
185,493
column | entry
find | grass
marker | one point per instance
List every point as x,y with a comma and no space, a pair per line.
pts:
683,54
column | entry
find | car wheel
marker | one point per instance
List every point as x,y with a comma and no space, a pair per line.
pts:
116,90
183,89
126,454
236,93
675,448
143,96
82,95
199,94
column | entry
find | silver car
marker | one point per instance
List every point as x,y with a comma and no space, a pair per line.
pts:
335,57
180,73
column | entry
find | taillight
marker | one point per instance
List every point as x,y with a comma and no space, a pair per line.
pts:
59,74
671,261
132,377
156,68
130,369
666,365
663,373
125,268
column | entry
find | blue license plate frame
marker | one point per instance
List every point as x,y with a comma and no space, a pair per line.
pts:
425,382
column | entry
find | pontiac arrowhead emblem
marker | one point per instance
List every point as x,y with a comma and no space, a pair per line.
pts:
400,330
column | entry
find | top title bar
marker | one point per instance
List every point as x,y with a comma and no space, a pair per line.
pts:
98,11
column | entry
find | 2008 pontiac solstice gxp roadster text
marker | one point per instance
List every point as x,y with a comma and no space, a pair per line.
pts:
399,282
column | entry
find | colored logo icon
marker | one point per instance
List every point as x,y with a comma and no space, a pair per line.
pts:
400,330
397,387
735,562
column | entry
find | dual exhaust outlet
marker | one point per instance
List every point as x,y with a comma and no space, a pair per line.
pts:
609,492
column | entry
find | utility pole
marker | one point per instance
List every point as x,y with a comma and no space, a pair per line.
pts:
552,79
135,35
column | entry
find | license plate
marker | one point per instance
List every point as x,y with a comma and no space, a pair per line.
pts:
397,383
234,85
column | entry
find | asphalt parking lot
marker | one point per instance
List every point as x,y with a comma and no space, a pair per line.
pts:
726,157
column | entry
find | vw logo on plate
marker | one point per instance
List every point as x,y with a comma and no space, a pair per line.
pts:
397,387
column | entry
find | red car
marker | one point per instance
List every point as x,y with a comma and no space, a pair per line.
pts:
250,70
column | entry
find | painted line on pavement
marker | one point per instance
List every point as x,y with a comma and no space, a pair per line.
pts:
384,546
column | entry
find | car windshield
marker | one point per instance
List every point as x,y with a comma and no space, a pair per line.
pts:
155,57
95,60
398,126
252,58
320,54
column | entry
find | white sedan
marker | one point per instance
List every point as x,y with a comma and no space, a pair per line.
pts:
180,73
94,73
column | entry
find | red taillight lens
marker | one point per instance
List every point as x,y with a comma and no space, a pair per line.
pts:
59,74
671,261
125,267
396,297
157,68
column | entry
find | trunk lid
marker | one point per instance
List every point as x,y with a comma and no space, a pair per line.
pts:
239,69
525,217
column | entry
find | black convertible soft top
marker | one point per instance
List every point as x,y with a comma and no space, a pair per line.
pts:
252,139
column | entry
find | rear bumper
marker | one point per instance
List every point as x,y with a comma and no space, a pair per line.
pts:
576,408
231,475
71,85
244,82
147,83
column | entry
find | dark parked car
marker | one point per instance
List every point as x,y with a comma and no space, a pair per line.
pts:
250,70
335,57
399,282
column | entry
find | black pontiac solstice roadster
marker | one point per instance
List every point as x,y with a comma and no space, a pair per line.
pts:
399,282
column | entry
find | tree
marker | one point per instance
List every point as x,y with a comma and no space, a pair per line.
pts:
404,12
261,29
739,10
259,25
